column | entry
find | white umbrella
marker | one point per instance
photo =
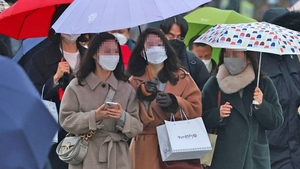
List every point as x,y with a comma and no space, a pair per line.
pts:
94,16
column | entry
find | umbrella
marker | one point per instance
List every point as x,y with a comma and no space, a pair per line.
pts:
26,126
27,44
257,36
3,5
94,16
29,18
200,20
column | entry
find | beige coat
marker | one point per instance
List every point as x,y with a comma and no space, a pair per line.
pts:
144,148
108,147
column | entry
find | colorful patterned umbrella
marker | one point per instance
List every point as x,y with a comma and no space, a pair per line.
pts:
257,36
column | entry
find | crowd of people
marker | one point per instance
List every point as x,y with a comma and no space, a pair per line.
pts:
157,76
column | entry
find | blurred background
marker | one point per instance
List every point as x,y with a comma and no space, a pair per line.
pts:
250,8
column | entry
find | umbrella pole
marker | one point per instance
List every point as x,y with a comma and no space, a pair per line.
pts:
258,77
150,75
258,72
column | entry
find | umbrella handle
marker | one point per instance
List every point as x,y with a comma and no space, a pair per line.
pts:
254,102
143,88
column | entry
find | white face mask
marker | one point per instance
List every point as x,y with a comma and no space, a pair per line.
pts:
70,38
121,38
207,64
234,65
108,62
156,55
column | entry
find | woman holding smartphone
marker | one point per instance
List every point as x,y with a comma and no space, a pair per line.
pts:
101,78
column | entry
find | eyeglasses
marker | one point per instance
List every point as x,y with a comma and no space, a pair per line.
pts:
172,37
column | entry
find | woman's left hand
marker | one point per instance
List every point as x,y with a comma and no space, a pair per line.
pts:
115,112
258,95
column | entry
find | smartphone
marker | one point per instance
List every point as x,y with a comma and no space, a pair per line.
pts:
110,105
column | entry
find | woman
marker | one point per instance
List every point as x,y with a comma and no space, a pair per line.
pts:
82,108
173,89
52,69
241,127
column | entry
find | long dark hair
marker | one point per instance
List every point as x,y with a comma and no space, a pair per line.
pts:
88,62
253,60
137,63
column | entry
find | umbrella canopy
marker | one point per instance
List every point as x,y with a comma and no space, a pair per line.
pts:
26,126
257,36
94,16
29,18
200,20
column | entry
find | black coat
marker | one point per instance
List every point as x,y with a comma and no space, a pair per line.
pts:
44,66
285,141
241,141
195,67
41,71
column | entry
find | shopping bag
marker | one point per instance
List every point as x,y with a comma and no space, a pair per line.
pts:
207,159
51,106
180,140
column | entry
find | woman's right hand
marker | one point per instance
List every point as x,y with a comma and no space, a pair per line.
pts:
225,110
62,68
101,113
151,87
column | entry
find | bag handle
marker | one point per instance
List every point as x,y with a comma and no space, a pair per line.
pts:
182,113
42,96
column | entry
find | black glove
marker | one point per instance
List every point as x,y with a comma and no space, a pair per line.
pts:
151,87
167,102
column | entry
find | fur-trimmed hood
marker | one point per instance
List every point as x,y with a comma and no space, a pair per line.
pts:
230,84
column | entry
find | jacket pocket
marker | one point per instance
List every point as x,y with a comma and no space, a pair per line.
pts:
260,155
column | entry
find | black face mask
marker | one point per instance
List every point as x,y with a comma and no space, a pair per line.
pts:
178,46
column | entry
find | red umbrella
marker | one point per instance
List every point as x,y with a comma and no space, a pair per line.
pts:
29,18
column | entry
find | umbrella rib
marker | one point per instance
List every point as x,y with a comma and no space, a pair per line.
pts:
24,22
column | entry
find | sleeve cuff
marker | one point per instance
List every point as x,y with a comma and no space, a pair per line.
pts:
121,121
92,120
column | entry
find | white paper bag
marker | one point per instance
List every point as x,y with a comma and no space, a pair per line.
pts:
51,106
179,140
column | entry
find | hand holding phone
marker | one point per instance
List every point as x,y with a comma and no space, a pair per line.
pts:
110,105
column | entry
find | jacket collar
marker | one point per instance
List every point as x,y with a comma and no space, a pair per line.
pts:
54,53
93,81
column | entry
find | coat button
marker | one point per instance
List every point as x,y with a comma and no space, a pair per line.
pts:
103,85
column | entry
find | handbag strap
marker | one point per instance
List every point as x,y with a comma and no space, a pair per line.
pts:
109,97
219,104
219,98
